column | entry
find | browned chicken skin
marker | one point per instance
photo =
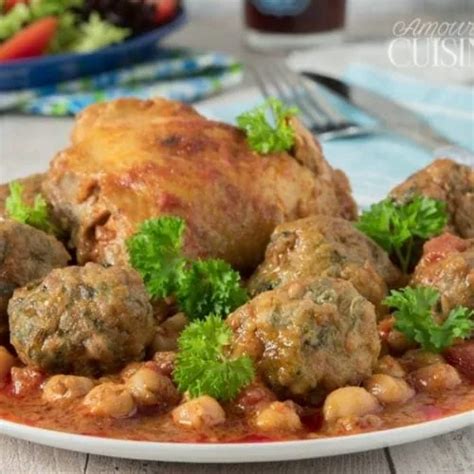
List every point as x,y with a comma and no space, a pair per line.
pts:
447,181
131,160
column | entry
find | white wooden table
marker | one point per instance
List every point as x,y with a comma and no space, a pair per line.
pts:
35,140
451,454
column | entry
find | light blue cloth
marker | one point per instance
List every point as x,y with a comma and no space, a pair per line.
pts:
378,162
176,74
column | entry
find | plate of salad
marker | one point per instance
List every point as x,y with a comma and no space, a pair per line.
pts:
49,41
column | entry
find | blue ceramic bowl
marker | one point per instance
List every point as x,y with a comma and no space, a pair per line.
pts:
36,72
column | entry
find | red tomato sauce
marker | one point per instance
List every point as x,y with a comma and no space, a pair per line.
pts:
154,425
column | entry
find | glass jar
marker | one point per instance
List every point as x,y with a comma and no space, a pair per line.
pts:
290,24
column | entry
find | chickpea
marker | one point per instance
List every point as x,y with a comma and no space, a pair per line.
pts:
390,366
398,342
198,413
418,358
349,401
130,369
278,416
165,362
7,361
388,389
435,377
111,400
66,387
350,424
167,333
148,387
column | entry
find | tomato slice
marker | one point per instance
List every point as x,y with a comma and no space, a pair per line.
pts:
31,41
461,356
165,10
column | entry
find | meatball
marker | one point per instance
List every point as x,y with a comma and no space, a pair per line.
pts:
308,337
26,254
447,181
326,246
82,320
448,265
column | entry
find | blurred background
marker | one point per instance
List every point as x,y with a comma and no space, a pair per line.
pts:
146,48
367,31
366,19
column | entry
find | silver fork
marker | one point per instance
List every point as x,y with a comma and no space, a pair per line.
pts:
274,79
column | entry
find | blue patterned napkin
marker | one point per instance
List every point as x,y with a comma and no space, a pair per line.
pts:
378,162
177,74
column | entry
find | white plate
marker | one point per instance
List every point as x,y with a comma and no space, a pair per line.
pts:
243,452
372,180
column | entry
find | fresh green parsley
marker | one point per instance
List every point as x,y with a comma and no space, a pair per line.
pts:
401,229
204,365
414,317
155,251
263,136
201,287
35,216
210,287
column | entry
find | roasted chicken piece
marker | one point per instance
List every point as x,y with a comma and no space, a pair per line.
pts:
447,181
131,160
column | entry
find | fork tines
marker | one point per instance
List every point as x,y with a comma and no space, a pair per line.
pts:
275,79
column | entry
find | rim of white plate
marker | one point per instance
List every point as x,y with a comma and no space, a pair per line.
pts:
236,452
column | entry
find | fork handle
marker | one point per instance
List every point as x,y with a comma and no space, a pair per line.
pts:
456,153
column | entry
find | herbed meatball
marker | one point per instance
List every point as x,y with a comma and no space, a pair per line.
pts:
26,254
448,265
447,181
326,246
82,320
308,337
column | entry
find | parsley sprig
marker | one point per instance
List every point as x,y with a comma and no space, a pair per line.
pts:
263,136
201,287
210,287
155,251
414,317
206,290
35,216
400,229
203,364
